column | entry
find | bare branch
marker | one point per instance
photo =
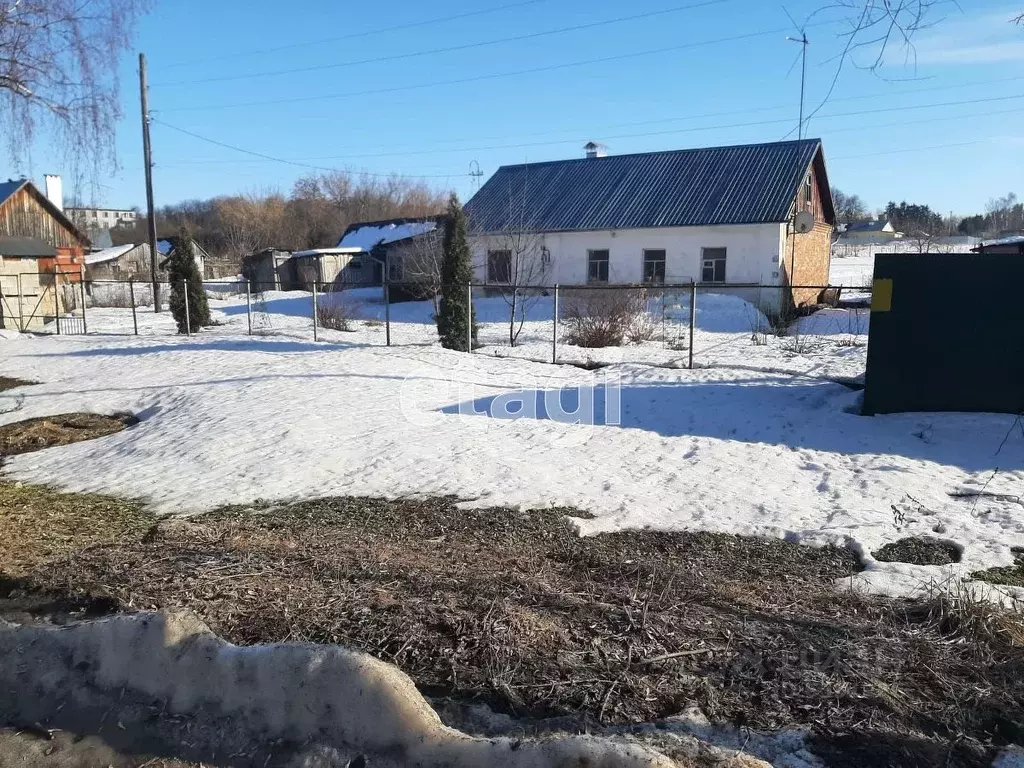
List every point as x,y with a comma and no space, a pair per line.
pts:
59,70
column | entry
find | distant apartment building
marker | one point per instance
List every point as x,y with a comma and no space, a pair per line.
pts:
102,218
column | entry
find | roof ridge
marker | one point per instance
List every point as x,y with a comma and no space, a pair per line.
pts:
793,142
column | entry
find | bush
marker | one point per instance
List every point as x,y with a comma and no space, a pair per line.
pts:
336,311
188,298
600,317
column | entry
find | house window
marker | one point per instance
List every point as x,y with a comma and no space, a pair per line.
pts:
394,269
499,266
808,193
713,265
654,266
597,266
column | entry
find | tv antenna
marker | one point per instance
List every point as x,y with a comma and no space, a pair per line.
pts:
804,42
476,173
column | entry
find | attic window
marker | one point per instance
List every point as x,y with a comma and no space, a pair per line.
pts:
808,192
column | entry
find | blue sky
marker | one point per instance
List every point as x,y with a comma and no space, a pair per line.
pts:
396,115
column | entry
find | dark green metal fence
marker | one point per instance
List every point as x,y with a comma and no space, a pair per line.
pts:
947,334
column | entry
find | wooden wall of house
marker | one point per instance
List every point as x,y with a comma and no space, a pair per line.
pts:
23,215
809,256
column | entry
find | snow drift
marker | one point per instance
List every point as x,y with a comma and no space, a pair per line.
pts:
301,692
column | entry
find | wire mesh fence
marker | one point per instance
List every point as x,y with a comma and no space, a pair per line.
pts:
682,325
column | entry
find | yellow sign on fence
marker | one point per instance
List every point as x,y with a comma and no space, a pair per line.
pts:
881,296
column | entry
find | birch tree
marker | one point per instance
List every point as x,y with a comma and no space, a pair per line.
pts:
59,64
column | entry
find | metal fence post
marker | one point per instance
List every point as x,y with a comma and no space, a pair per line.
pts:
131,297
387,310
314,312
469,326
188,319
21,306
248,306
693,317
57,295
85,326
554,334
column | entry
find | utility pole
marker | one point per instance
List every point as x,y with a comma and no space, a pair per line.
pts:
147,152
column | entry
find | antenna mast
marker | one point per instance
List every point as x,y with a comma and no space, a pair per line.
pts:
803,78
476,173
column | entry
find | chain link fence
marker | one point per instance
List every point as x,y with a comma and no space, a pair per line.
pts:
684,325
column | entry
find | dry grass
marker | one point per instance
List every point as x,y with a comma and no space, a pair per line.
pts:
1009,575
919,550
64,429
517,610
38,525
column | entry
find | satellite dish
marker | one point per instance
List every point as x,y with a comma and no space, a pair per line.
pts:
804,222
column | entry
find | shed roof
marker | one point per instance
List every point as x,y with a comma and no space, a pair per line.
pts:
326,252
109,254
878,225
26,247
750,184
367,235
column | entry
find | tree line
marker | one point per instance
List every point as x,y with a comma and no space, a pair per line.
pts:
1002,215
315,214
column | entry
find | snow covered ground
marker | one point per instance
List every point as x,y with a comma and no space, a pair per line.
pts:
829,344
853,265
760,443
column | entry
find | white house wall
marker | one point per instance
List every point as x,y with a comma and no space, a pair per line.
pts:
752,253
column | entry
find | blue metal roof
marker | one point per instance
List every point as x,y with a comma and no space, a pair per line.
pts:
752,184
8,188
868,226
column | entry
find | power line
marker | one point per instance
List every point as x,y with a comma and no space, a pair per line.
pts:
439,146
919,149
696,129
494,76
449,49
296,163
354,35
848,129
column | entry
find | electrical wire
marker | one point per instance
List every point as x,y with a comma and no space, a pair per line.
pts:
351,36
297,163
494,76
440,145
448,49
918,149
698,129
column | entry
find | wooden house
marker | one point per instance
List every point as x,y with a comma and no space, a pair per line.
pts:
40,250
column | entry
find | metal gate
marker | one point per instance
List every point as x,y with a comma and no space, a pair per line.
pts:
70,298
30,302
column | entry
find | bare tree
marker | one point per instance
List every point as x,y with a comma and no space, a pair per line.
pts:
59,70
872,30
519,255
418,264
251,222
850,209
